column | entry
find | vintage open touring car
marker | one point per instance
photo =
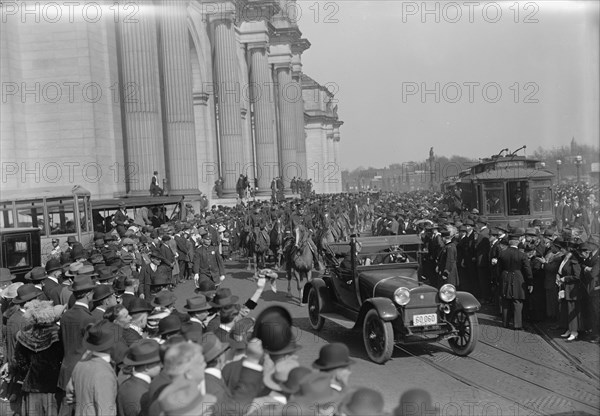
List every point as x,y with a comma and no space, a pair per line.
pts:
372,284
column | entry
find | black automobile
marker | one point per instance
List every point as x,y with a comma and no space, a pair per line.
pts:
372,284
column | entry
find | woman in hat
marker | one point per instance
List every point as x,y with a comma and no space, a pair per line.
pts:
569,279
38,355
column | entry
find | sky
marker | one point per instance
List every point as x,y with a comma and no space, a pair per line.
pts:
466,78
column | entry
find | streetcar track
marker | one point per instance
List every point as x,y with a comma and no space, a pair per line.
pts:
558,370
477,385
563,352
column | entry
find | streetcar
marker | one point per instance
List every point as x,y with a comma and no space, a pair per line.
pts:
509,189
57,213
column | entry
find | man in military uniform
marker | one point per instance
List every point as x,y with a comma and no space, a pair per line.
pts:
208,263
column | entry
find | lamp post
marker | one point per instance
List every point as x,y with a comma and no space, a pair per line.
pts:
558,163
578,162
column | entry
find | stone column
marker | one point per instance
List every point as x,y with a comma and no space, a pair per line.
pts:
227,88
264,116
336,159
325,157
144,147
180,149
329,169
298,47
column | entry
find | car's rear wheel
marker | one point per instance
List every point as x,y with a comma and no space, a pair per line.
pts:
314,310
378,337
468,331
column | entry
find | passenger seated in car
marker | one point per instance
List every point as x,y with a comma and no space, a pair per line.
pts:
393,254
346,263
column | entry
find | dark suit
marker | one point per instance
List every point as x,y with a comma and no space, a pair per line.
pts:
447,265
72,327
126,299
15,323
52,290
571,304
515,275
98,314
146,278
482,254
121,220
130,395
208,263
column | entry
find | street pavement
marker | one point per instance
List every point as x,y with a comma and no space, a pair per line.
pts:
510,372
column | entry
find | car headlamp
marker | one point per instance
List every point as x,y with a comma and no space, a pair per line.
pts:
402,296
448,292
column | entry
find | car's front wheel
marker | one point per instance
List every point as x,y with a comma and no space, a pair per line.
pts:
378,337
468,331
314,311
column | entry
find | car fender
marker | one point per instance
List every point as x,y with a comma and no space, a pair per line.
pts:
466,302
386,309
322,290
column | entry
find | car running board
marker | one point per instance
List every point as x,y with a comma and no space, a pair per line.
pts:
338,319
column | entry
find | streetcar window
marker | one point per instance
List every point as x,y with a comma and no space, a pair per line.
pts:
60,217
518,197
31,214
17,251
495,201
6,218
542,200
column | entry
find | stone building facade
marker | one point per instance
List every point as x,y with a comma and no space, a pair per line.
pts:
104,94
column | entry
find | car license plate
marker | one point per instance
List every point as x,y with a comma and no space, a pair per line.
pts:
427,319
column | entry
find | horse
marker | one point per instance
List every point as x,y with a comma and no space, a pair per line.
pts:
257,243
300,256
277,235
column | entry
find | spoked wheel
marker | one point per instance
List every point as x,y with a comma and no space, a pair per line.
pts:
314,311
468,331
378,337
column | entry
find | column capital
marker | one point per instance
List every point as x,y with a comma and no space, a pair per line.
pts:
300,45
200,98
255,34
219,10
259,10
280,56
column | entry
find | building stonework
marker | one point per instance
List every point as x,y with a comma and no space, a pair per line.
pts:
195,90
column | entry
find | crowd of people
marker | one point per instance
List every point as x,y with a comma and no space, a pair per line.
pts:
95,330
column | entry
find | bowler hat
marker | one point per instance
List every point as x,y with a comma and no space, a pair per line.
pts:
363,401
332,356
144,351
212,347
26,293
274,328
207,288
37,274
138,305
71,239
52,265
6,275
196,304
87,270
292,384
164,298
223,297
170,324
101,292
160,280
192,331
100,337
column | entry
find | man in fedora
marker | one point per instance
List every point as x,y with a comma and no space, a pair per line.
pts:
334,359
130,290
92,389
103,297
214,355
183,397
482,254
228,308
121,219
52,283
315,395
148,273
72,325
144,357
139,310
199,311
37,276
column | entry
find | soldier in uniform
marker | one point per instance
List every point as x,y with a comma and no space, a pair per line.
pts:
208,263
